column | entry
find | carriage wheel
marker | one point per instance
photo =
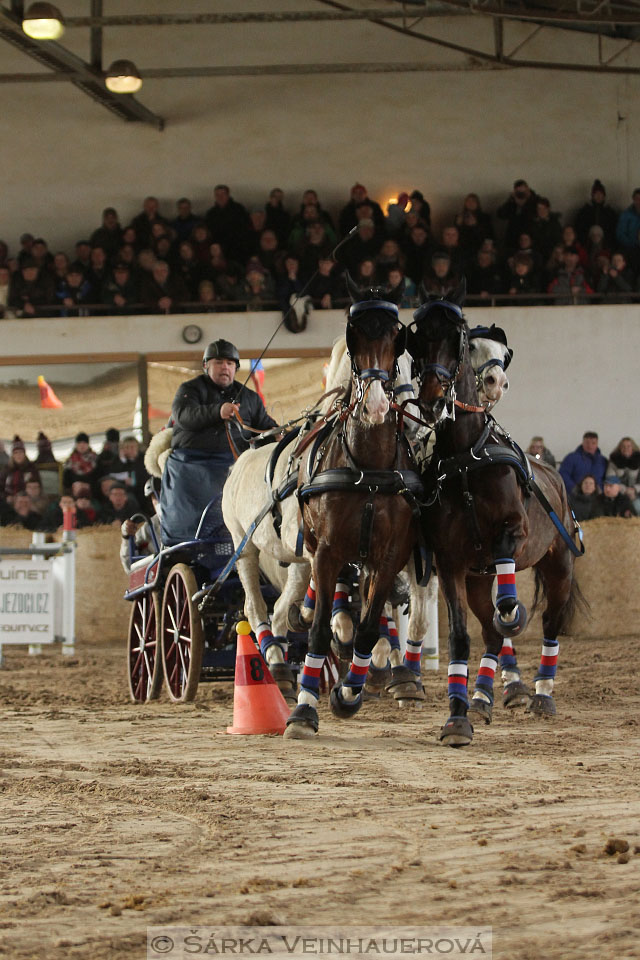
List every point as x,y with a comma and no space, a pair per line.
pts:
144,671
182,635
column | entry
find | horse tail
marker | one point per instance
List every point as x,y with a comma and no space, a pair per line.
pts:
576,603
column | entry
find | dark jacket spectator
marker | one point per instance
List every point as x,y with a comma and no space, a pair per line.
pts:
13,475
81,465
163,292
228,224
519,210
584,499
597,213
349,214
613,502
109,235
278,219
120,291
31,289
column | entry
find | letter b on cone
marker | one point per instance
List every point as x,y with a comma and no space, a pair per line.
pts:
258,705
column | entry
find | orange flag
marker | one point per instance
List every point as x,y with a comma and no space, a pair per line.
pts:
48,398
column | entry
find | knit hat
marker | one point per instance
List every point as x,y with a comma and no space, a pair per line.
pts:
82,438
112,435
43,441
17,444
597,185
612,479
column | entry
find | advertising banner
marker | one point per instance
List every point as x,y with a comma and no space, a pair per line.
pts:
26,601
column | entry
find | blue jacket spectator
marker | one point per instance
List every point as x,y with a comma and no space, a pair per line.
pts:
585,459
629,224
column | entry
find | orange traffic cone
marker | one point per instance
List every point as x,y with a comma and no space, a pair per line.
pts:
258,705
48,398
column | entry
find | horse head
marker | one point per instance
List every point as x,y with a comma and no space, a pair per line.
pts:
375,339
438,342
490,356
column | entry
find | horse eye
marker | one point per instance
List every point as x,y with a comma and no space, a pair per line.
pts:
472,347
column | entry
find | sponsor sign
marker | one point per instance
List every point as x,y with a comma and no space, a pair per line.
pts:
26,601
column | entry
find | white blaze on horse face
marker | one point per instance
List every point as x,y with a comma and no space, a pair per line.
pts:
494,381
376,401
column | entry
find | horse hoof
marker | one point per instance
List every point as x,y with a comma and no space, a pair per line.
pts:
405,684
480,710
542,705
515,694
377,678
285,680
345,709
514,627
302,724
343,651
369,694
457,732
410,702
294,619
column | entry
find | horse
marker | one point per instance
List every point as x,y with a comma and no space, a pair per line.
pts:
486,515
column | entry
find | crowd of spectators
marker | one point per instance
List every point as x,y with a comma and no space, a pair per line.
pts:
230,257
109,487
94,488
598,486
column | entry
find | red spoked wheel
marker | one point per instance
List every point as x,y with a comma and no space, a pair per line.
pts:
144,670
182,635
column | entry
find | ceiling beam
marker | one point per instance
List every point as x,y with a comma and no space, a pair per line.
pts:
74,70
218,19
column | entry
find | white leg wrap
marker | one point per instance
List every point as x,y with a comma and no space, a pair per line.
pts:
509,676
545,687
380,653
305,697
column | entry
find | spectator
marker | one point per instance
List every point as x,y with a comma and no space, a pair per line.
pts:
109,235
61,264
624,461
259,291
628,229
538,451
450,241
206,295
163,247
4,459
144,221
186,267
570,239
26,246
394,278
110,453
616,280
185,221
81,465
525,246
290,284
570,283
389,256
348,215
101,498
270,255
484,278
553,266
13,475
420,207
440,279
99,272
257,223
129,468
522,280
585,459
597,212
316,246
163,292
120,291
121,504
418,252
31,290
4,254
230,287
364,274
584,499
87,512
613,501
309,215
474,225
394,222
24,513
33,489
47,465
278,219
42,256
83,255
6,312
546,230
599,257
228,223
75,292
144,542
519,210
363,245
201,240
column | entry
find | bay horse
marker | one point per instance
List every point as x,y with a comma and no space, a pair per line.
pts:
485,518
357,491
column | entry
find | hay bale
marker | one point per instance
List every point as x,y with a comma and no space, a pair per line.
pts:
101,613
608,576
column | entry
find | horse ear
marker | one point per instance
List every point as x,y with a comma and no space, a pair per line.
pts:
396,294
352,287
459,294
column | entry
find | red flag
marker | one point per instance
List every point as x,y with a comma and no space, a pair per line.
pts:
48,398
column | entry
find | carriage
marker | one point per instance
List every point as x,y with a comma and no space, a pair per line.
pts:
173,632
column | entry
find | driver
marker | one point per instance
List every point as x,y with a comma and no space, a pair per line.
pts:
203,407
206,438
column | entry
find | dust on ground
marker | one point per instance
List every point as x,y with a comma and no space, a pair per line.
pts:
116,817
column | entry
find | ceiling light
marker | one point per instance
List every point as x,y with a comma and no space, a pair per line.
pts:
43,21
123,77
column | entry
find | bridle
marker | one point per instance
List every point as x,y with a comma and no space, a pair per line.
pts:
447,378
364,378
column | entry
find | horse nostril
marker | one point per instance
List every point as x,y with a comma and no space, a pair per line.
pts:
491,381
505,385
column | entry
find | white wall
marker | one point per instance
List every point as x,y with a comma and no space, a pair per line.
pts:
574,368
64,157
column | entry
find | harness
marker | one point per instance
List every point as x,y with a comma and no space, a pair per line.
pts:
505,452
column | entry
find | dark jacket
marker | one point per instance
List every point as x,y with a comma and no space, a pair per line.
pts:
586,506
596,213
578,464
197,421
619,506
